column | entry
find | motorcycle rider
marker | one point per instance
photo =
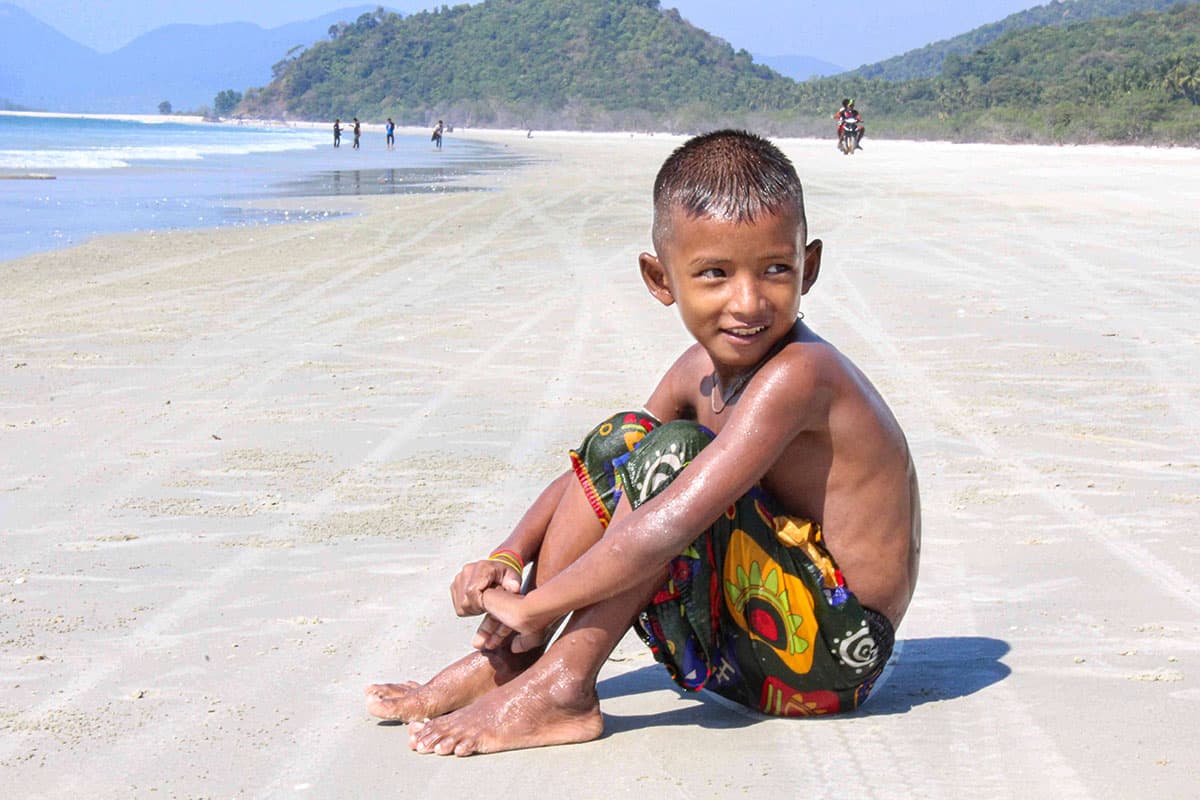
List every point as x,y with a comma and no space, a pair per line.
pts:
838,115
849,112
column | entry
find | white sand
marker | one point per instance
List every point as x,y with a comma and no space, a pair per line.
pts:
238,470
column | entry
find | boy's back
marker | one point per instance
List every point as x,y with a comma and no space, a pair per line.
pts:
848,469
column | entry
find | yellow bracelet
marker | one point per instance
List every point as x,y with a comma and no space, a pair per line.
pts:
510,559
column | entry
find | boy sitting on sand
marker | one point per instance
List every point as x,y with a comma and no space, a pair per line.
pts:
759,522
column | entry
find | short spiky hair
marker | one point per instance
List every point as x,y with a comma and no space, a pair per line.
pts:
728,174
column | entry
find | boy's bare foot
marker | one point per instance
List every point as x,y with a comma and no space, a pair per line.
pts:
454,687
536,709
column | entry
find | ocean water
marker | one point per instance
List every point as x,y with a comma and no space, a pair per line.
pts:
115,176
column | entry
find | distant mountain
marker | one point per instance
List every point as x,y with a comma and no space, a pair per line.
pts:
927,61
800,68
184,64
542,63
34,55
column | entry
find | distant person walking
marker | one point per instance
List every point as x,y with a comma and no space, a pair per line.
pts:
391,134
437,135
357,132
337,133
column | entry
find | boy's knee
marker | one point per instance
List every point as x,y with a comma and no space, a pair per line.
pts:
614,438
608,443
661,456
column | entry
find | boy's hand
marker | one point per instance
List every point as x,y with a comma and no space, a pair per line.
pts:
491,634
466,591
510,614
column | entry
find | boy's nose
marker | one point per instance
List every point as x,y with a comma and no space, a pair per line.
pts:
747,299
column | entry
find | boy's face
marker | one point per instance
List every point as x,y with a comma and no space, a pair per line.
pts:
738,285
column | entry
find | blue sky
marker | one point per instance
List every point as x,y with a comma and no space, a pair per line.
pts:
817,28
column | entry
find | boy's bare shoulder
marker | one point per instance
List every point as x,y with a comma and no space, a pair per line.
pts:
808,365
676,394
812,378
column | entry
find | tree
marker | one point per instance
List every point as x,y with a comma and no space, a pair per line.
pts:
1182,79
226,101
164,107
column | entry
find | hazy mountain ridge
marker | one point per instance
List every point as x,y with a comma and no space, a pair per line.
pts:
800,68
26,42
183,64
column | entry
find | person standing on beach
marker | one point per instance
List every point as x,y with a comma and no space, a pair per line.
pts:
391,134
758,522
437,135
357,132
337,133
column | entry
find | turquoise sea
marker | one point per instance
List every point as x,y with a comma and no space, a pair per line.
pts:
115,176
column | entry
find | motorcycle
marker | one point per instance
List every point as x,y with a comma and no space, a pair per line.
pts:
848,142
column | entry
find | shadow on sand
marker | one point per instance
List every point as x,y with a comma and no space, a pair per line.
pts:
920,671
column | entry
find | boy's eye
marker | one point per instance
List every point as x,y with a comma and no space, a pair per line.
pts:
712,272
777,269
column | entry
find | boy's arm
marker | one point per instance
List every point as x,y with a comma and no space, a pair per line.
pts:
524,542
781,401
666,403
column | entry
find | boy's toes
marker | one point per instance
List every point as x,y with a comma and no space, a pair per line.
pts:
432,739
383,707
422,737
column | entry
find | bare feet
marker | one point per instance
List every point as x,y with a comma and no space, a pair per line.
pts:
454,687
536,709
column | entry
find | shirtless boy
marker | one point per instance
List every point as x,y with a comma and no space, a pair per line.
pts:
786,603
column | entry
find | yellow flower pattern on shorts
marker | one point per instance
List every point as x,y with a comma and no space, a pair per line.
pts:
772,606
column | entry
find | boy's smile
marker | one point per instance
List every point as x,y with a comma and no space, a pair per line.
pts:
738,284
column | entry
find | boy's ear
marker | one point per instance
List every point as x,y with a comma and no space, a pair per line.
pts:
654,275
812,265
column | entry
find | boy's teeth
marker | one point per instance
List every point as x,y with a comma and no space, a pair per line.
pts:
749,331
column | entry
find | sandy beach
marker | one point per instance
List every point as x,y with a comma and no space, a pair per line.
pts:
239,468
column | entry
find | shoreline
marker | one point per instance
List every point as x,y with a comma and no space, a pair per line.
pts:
189,119
514,133
119,180
320,206
881,152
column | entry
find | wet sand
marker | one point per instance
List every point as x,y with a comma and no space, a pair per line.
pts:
239,468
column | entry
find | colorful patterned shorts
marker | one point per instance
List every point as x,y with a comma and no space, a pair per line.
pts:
754,609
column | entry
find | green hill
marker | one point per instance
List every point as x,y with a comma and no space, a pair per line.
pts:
628,64
1128,79
927,61
566,63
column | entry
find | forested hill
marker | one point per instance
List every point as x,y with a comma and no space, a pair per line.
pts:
561,63
1128,79
628,64
927,61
